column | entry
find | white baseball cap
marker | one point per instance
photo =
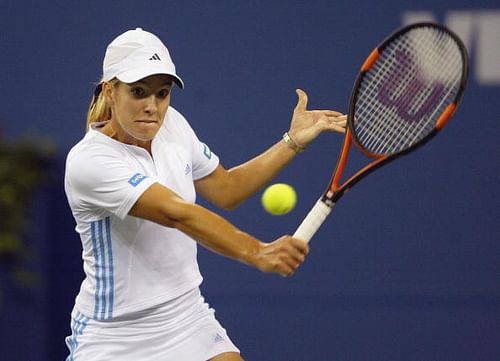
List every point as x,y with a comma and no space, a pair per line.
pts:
137,54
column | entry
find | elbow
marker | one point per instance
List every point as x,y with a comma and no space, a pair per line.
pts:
228,204
227,201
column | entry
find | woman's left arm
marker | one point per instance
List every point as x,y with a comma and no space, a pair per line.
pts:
229,188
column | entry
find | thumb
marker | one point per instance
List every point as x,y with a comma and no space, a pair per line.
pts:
301,101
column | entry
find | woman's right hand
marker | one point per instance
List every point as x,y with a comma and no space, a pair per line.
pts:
282,256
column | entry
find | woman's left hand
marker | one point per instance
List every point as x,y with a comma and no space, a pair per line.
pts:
306,124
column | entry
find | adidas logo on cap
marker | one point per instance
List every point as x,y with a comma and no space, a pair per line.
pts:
155,57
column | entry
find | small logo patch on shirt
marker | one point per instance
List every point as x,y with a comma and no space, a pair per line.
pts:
206,151
187,170
136,179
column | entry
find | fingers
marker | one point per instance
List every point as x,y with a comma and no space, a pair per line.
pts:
284,256
329,113
301,101
334,123
337,119
300,246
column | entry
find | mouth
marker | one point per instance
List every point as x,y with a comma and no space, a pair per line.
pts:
146,121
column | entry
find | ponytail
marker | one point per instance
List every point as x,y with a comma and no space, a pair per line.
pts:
99,110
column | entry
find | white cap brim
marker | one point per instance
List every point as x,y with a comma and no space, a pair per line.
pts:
134,75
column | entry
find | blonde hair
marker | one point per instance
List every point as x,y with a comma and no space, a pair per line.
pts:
99,110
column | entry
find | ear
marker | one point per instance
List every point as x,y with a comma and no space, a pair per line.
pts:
108,92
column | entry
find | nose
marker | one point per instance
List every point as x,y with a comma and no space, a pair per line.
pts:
151,105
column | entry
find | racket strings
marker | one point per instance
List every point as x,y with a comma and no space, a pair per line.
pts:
401,68
385,133
401,97
439,51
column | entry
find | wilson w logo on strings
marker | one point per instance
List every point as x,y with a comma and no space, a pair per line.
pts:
414,98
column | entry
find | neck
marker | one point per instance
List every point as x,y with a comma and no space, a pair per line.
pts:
111,132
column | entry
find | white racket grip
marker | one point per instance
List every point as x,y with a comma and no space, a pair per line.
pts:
313,221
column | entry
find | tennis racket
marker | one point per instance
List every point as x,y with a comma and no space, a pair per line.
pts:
405,93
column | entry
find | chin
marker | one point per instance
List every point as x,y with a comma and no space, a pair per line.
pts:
146,134
145,137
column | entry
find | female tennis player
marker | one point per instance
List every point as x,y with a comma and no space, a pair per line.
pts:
131,183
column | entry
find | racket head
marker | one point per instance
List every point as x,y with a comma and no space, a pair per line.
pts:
407,89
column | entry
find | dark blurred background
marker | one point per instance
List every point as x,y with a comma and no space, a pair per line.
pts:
407,267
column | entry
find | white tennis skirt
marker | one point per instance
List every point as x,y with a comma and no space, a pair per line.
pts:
183,329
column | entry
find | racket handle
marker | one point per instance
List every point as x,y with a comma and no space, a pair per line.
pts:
313,221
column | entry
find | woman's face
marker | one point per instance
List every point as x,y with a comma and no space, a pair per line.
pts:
138,109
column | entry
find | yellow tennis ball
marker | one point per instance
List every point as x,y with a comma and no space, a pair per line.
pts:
279,199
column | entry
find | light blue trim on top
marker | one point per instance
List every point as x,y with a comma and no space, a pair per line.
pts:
111,268
104,269
96,268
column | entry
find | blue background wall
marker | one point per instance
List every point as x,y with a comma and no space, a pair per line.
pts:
407,267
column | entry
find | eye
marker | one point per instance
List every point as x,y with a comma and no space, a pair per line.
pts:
163,93
137,91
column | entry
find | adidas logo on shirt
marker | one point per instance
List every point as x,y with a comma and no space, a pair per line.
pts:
155,57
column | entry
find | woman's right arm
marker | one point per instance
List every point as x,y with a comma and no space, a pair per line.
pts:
161,205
